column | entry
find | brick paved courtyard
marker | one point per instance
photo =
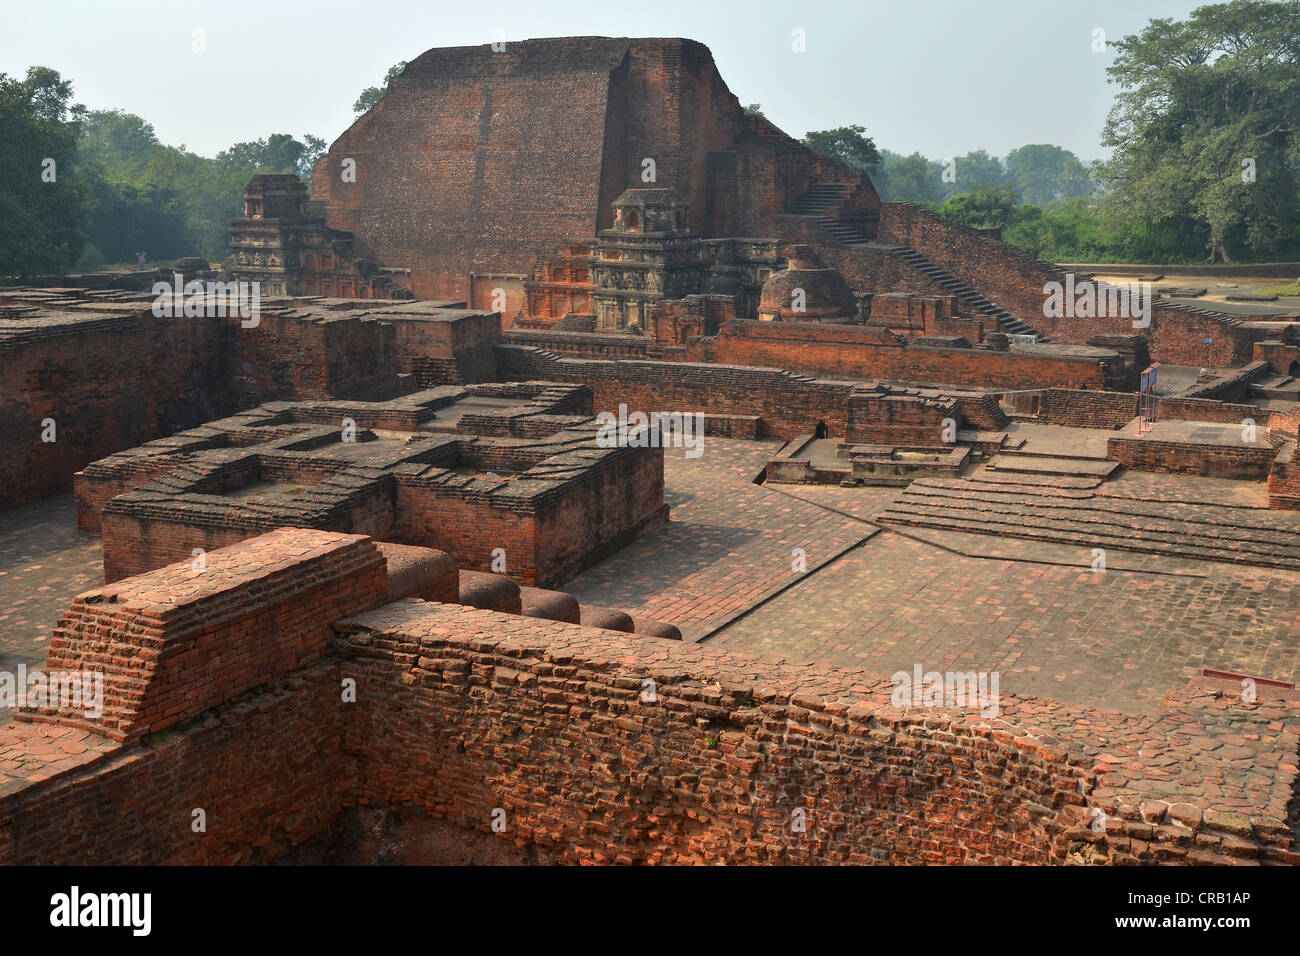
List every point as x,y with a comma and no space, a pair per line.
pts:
729,544
1118,639
44,562
881,599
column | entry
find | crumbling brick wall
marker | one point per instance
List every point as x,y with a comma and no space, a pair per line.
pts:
1087,409
595,746
292,356
1248,461
152,635
788,404
442,146
108,383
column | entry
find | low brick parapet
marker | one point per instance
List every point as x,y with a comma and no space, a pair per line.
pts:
605,747
177,641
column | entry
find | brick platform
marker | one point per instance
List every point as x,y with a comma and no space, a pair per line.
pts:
485,473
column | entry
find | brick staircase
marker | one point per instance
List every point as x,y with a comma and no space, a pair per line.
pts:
1073,511
1284,387
968,295
818,201
1041,270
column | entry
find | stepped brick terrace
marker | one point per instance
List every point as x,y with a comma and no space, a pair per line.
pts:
406,566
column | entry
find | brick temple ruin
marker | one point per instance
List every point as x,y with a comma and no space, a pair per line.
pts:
367,580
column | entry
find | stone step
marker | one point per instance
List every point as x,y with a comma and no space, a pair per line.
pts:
1020,451
1076,516
1113,537
1284,387
1017,462
1065,517
1005,321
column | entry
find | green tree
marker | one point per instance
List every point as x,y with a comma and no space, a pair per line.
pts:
278,153
43,196
1067,231
849,145
373,94
976,168
1043,173
909,178
115,140
1204,129
313,149
986,207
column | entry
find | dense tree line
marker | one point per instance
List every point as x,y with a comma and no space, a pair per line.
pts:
92,188
1205,134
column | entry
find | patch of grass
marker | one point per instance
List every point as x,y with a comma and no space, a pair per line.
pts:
1291,289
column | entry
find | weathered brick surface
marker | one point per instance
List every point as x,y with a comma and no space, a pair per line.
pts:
1015,280
265,772
1146,455
713,768
786,404
1087,409
152,636
461,712
852,352
857,352
442,146
109,378
467,471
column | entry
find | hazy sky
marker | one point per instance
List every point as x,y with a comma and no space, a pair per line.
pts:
938,76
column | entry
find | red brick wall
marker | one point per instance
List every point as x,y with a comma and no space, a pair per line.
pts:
852,351
789,405
720,761
865,268
182,639
443,146
135,544
602,513
468,530
96,490
289,358
1280,356
1172,457
546,539
1209,410
1087,409
108,385
902,420
1015,280
149,529
461,712
1284,481
266,776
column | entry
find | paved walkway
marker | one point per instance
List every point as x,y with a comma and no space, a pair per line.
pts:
44,563
729,544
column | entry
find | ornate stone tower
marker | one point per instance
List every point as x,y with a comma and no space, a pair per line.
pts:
265,243
650,254
281,245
